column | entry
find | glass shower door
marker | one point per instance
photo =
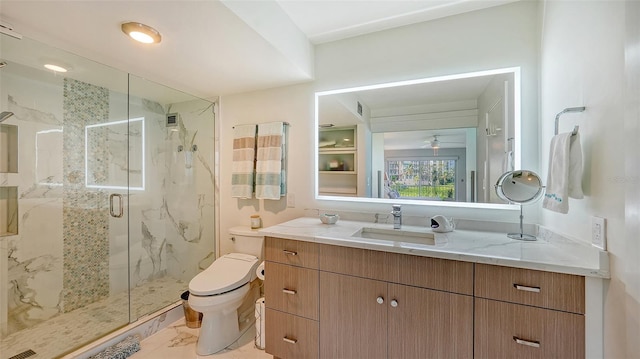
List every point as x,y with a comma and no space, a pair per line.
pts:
59,287
106,198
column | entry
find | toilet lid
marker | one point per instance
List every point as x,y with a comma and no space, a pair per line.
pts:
226,273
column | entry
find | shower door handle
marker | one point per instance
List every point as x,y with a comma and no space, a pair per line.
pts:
120,209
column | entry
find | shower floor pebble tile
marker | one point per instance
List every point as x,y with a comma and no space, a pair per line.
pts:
177,341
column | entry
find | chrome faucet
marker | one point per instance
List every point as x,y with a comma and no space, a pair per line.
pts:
397,216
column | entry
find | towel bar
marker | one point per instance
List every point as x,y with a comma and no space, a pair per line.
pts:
569,109
284,123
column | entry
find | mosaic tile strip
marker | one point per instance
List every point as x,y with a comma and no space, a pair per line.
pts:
85,211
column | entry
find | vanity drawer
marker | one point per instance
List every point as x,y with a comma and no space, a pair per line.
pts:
432,273
425,272
507,330
531,287
291,289
354,261
296,253
288,336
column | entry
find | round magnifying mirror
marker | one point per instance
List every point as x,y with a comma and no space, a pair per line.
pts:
520,186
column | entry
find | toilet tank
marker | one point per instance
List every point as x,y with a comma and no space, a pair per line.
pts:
247,240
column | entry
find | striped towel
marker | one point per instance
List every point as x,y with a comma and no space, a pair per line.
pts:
270,172
244,140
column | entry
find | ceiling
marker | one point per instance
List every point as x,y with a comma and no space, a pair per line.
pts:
215,47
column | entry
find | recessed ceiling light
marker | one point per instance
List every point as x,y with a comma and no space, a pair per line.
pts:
55,68
141,32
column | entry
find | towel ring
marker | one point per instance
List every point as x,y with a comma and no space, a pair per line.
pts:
569,109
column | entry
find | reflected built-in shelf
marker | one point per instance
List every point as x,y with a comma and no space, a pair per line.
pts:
8,149
8,211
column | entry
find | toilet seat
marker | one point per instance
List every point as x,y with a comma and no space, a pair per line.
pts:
225,274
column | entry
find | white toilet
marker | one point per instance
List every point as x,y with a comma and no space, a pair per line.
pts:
218,291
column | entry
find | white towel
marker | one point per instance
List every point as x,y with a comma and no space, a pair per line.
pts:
244,139
507,163
269,163
564,179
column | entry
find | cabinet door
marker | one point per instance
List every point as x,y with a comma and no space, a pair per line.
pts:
426,323
352,322
507,330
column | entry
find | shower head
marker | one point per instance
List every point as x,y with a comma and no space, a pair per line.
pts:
5,115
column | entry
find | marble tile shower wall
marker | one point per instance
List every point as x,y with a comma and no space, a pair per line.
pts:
171,227
172,219
69,252
32,260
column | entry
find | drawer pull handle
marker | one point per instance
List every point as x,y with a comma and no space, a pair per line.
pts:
288,291
291,253
394,303
526,342
526,288
290,341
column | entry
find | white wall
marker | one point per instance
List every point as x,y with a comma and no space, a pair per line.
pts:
498,37
293,104
583,63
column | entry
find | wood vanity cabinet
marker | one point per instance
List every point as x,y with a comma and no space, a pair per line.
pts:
325,301
522,313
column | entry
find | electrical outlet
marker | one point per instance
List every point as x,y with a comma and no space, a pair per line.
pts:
598,232
291,200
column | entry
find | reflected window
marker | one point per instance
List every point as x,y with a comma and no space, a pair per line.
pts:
432,179
114,155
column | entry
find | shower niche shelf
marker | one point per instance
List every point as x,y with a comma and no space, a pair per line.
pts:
8,149
8,211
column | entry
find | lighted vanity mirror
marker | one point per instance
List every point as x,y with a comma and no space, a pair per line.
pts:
120,143
439,141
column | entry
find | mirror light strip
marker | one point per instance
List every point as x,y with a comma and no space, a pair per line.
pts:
517,145
86,155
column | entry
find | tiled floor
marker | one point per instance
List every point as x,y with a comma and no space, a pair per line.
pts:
179,342
61,334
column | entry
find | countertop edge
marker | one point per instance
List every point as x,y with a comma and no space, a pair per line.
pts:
444,254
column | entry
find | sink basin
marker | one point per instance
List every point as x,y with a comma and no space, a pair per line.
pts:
396,235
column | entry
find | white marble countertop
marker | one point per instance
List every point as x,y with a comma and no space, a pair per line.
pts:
550,252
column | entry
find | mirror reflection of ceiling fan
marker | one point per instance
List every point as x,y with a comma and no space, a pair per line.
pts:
436,143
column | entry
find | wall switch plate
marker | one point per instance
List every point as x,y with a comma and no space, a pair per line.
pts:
291,200
599,233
